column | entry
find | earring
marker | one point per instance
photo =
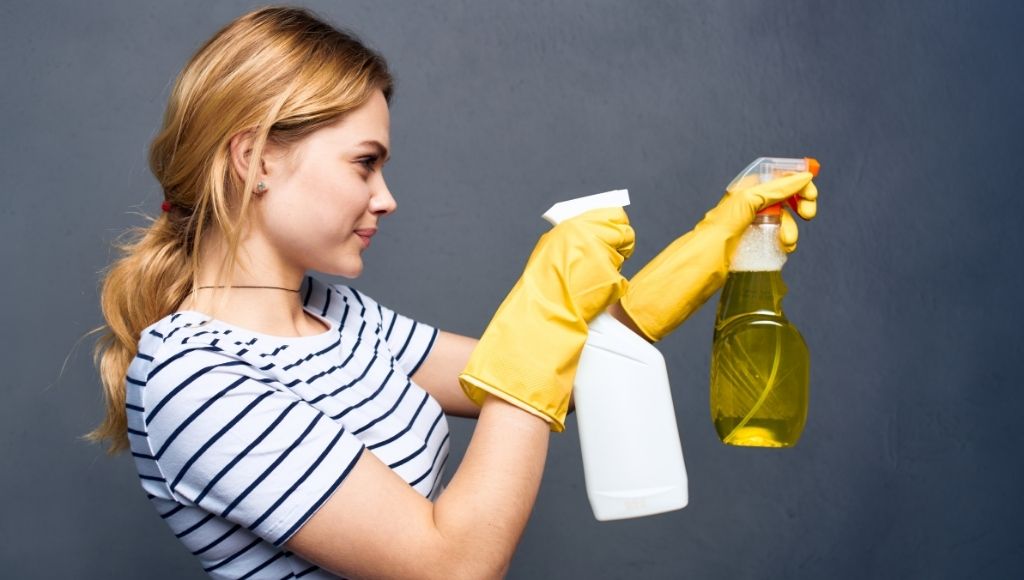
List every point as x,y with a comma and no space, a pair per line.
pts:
261,187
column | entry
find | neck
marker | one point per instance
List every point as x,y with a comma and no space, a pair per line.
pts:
267,311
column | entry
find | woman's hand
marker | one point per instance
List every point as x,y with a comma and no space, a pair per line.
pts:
685,274
529,351
797,189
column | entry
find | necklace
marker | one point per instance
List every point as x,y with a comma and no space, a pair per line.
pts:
252,287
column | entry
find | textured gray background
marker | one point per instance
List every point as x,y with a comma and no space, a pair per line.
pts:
905,287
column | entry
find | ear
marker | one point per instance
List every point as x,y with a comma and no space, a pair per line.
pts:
240,149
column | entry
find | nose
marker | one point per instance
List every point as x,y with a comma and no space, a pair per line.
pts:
381,201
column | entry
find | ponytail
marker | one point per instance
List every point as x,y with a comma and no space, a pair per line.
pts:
148,282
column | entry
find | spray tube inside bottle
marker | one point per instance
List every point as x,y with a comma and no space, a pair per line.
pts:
632,457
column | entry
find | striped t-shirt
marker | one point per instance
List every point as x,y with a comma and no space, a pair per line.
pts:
239,437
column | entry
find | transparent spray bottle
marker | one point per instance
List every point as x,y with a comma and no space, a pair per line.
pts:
632,457
760,366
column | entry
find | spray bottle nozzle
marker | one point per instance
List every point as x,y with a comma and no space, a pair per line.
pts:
564,210
812,165
765,169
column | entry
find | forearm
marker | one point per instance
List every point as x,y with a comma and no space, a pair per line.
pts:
679,280
486,506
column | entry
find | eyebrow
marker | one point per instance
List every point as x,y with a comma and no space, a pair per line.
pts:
381,149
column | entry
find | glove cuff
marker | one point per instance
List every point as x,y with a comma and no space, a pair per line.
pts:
639,321
477,391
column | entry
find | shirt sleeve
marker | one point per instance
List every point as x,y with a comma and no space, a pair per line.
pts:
409,341
241,447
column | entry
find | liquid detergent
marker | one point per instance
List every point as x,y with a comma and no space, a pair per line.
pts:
760,366
632,458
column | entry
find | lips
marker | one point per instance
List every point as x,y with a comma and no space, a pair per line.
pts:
365,234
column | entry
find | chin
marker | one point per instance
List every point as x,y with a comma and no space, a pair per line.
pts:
350,269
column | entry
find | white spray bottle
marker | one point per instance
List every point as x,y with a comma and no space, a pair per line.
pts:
632,457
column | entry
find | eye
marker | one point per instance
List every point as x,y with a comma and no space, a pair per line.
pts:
369,162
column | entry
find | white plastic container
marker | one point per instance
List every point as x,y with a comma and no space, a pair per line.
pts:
632,458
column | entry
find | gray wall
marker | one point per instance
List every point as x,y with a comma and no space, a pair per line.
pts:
906,287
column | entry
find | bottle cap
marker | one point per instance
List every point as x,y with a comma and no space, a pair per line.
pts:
775,209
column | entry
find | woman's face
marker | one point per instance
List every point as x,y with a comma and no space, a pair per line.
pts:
326,194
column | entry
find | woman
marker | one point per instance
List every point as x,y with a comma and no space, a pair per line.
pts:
248,391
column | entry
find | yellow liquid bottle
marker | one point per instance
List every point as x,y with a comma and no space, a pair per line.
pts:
760,366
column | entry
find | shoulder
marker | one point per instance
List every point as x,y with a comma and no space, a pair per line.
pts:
188,330
179,347
177,332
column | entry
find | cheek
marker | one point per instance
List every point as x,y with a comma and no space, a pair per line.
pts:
336,218
327,204
350,200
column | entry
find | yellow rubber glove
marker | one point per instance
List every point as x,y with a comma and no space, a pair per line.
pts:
673,285
529,352
806,207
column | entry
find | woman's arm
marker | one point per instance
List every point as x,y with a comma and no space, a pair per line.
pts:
376,525
439,374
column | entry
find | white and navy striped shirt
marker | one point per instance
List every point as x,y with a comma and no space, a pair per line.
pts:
239,437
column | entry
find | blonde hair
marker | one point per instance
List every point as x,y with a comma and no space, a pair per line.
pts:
278,72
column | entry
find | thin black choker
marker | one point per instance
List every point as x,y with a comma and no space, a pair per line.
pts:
251,287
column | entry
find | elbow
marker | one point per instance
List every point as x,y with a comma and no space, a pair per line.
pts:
472,561
477,569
